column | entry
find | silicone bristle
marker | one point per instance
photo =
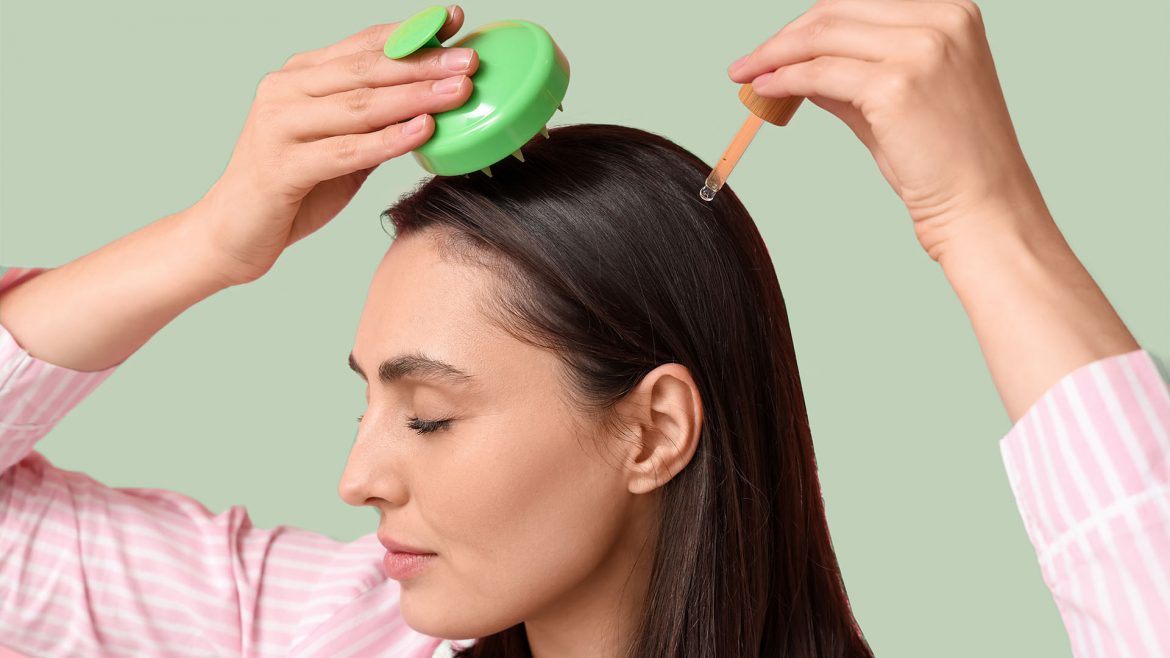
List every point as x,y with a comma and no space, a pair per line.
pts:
561,106
544,131
488,171
518,155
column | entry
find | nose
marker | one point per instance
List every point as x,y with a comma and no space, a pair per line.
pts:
370,476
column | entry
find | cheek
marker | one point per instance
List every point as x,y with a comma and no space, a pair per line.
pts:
524,511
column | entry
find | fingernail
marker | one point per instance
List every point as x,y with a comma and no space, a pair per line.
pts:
447,85
414,125
457,59
739,61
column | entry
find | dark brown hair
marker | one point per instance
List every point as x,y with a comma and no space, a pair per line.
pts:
611,259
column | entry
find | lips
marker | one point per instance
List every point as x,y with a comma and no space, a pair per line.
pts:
403,560
401,566
400,547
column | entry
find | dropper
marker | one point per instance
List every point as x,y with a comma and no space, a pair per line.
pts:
777,111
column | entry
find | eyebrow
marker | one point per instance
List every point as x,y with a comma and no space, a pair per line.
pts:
418,366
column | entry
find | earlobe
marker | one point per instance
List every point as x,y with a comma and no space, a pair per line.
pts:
669,411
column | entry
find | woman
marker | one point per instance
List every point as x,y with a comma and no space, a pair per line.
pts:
581,438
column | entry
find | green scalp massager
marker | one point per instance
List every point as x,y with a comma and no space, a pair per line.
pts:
519,85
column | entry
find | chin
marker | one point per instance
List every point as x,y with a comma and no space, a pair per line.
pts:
439,614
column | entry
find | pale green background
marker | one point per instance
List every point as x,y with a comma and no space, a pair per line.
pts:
116,114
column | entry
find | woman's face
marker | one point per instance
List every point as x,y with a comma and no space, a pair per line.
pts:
527,513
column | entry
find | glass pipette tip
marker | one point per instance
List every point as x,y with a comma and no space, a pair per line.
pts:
739,144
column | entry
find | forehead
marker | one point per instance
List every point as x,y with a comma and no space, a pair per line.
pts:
420,302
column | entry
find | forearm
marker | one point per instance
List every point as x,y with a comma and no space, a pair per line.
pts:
95,311
1036,311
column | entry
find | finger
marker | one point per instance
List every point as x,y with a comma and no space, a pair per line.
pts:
375,69
904,13
329,158
371,38
833,36
839,78
453,24
945,16
365,109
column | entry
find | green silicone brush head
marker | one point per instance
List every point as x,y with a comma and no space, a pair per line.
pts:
519,85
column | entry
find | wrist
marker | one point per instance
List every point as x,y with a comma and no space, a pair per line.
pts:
1035,309
198,225
999,232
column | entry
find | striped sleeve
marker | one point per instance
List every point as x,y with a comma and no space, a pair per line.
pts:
36,394
91,570
1089,465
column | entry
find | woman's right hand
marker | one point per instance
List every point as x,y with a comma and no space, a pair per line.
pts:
316,130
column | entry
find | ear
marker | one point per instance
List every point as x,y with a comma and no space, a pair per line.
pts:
664,414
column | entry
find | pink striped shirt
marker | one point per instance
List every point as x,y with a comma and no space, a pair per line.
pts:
91,570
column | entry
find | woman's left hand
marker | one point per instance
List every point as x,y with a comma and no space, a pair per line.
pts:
914,80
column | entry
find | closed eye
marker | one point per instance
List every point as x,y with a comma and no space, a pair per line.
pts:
422,426
427,426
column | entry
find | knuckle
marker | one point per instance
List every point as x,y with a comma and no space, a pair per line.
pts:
390,139
346,148
360,65
795,25
423,67
973,12
930,46
895,87
358,101
788,28
370,38
818,26
270,83
956,18
293,61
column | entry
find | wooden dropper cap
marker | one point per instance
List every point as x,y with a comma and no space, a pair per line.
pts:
777,111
